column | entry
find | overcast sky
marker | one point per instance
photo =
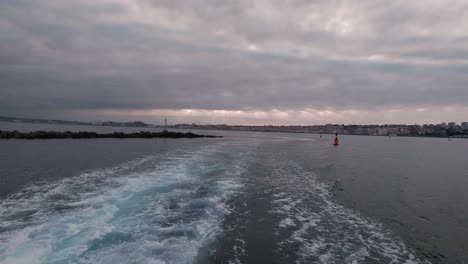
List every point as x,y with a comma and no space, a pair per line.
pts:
235,62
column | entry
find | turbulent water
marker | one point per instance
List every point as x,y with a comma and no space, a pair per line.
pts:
162,208
237,200
287,215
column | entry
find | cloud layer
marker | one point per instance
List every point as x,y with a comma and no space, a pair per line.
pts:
282,62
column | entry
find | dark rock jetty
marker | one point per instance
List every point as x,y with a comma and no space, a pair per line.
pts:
83,134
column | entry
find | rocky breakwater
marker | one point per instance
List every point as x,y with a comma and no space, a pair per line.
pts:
84,134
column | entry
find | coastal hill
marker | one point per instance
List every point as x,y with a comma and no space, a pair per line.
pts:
65,122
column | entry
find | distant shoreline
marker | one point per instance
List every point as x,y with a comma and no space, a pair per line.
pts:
450,130
85,135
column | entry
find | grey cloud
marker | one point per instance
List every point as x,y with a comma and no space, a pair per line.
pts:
231,55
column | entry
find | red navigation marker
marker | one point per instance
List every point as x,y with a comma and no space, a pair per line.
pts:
336,140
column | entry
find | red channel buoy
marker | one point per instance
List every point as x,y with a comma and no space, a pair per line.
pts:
336,140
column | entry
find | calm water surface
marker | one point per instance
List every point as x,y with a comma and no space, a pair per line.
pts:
245,198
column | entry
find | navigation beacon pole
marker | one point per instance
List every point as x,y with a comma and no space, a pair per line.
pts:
336,140
165,125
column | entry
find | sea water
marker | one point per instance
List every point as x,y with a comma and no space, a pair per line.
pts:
244,198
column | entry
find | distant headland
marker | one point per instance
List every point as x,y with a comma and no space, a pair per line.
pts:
65,122
68,134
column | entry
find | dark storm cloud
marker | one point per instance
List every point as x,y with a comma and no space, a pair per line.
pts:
231,55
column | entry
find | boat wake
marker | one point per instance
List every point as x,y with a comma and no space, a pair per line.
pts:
158,209
323,231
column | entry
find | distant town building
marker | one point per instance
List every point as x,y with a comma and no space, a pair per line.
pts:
464,125
382,132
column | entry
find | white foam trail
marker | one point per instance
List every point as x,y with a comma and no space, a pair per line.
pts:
327,232
163,213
